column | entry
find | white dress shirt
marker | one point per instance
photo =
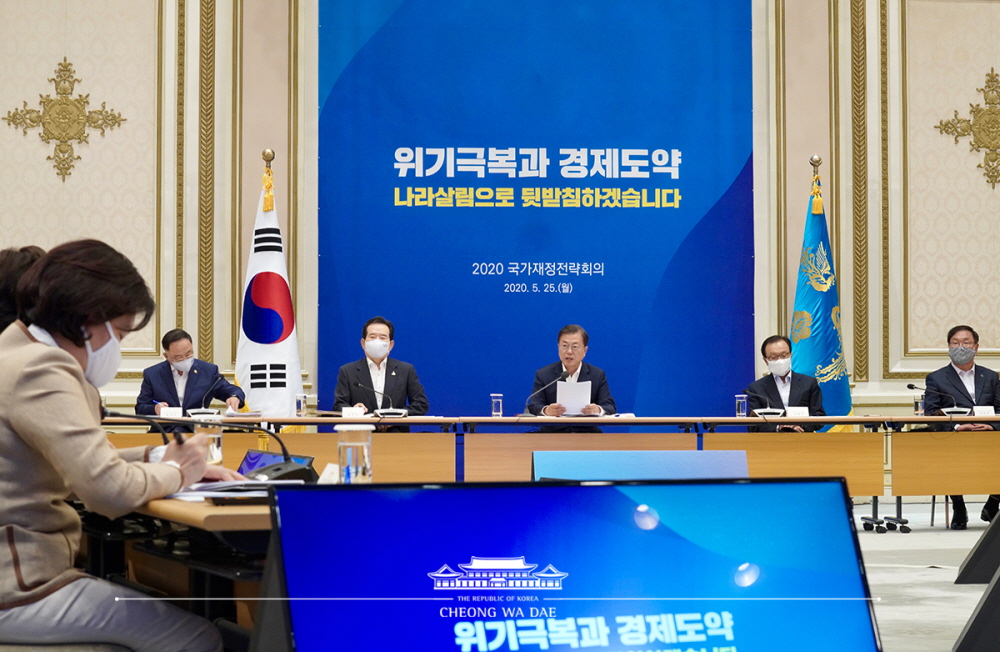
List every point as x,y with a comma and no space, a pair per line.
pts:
180,382
968,379
378,378
784,387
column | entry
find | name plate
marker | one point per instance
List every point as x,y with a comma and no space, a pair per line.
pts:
352,412
172,412
983,410
797,411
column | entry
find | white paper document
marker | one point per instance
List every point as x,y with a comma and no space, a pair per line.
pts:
573,396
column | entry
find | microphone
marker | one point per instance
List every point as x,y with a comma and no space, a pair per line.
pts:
151,421
563,376
954,403
215,382
285,470
767,401
389,412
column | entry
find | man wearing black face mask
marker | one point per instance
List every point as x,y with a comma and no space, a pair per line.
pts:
968,385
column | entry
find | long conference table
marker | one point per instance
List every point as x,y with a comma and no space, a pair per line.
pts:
922,463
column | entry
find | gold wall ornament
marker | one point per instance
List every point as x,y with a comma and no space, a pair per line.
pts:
984,128
64,119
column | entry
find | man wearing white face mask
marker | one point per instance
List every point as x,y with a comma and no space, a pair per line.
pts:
784,388
395,383
963,384
184,381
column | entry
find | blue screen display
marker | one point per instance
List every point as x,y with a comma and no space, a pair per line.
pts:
628,566
255,459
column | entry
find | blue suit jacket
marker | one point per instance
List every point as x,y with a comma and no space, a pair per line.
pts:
599,393
158,385
946,381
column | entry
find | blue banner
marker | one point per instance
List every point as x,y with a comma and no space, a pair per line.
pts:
490,172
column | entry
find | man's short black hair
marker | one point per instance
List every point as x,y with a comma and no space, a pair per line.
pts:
771,340
175,335
569,329
956,329
378,320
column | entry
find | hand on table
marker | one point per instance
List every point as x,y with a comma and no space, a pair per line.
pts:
553,410
592,408
973,426
233,402
216,473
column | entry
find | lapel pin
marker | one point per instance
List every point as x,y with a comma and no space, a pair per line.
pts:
393,373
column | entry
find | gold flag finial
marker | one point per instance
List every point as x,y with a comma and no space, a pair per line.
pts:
817,202
268,156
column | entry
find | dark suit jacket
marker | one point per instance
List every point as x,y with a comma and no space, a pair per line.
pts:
401,385
599,393
204,384
946,381
805,392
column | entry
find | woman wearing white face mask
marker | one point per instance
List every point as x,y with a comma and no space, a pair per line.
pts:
75,305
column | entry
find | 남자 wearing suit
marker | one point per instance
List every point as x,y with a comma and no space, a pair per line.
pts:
804,392
203,384
402,386
600,394
946,381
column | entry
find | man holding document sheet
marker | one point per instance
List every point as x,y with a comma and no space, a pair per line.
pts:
584,392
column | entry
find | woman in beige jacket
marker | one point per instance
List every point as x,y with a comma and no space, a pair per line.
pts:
75,305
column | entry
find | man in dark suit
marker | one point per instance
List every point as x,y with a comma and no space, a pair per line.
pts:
183,381
967,384
784,388
573,343
393,379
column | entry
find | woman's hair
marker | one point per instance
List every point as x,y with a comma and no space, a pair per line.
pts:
13,264
82,282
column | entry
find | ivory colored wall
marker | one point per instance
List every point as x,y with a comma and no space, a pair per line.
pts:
205,85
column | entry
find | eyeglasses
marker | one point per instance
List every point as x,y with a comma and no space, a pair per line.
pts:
571,347
775,358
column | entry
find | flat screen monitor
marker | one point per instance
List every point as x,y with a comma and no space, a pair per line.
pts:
256,459
619,566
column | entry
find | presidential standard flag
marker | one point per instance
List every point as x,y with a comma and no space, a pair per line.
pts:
817,343
267,358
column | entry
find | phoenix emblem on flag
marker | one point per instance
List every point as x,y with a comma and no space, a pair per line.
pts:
817,268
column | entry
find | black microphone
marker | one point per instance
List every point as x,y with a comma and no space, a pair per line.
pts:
151,421
563,376
285,470
380,412
954,403
766,399
215,382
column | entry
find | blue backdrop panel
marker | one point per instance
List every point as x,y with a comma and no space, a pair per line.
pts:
657,264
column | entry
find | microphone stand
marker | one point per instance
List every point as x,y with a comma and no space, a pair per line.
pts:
391,412
563,376
287,469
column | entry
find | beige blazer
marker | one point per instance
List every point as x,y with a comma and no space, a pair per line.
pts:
52,446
